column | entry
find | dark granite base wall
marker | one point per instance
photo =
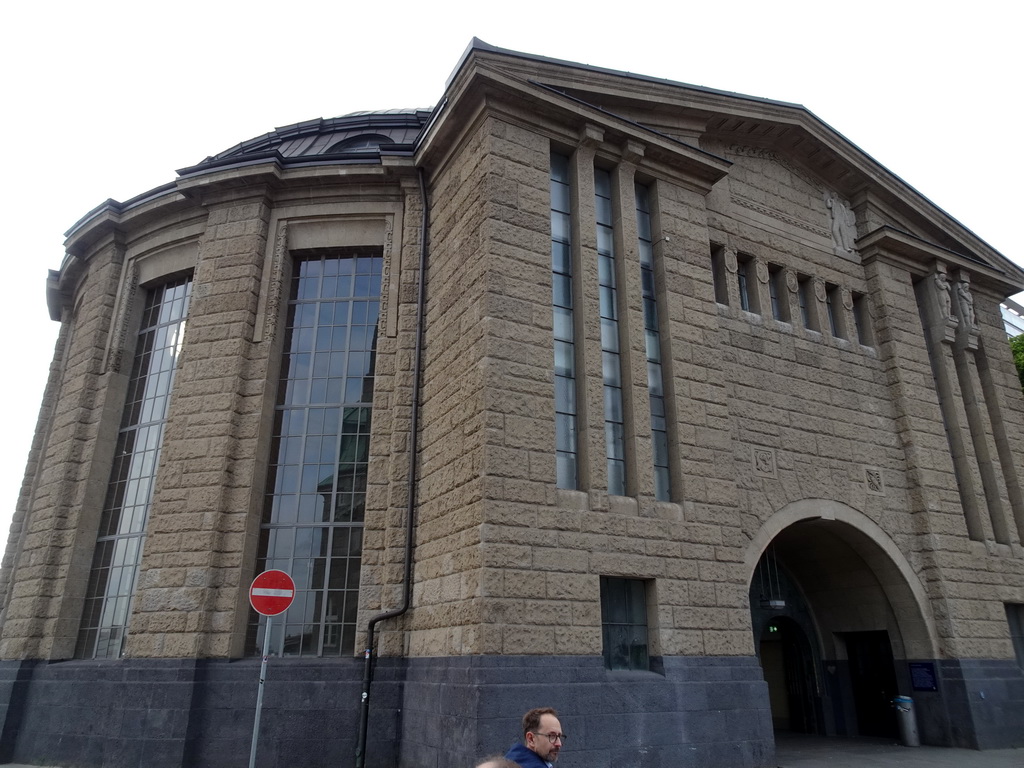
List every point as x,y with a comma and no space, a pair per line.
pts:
979,703
984,702
426,713
693,712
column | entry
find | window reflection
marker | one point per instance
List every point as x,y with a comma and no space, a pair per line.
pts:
316,482
136,458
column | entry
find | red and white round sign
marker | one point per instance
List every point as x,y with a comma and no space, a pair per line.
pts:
272,592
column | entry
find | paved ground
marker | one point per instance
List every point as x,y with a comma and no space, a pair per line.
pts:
819,752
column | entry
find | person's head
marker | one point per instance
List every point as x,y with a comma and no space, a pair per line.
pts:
542,733
496,761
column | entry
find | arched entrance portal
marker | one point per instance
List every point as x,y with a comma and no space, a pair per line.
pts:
836,611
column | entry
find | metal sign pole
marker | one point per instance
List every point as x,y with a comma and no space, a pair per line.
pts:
259,696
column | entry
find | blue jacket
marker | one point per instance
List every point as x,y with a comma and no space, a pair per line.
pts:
526,758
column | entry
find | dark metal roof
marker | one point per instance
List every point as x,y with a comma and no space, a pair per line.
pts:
319,137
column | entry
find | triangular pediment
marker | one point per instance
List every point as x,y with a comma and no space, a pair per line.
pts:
729,140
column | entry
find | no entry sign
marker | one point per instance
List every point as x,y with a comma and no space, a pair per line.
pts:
272,592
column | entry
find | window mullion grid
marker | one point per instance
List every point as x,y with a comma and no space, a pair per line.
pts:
324,395
563,320
610,335
652,343
130,488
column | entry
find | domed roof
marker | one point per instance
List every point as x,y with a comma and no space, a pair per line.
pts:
358,137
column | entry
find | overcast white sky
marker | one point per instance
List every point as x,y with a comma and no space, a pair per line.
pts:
106,99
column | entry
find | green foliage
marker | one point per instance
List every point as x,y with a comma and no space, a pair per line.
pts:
1017,345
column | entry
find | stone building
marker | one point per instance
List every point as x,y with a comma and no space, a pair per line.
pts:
713,425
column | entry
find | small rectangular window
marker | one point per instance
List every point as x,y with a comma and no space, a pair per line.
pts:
747,282
718,274
624,623
1015,617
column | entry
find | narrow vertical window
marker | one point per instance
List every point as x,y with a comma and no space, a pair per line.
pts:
614,431
567,475
118,554
777,292
624,623
805,296
316,484
718,274
833,304
743,270
861,320
652,341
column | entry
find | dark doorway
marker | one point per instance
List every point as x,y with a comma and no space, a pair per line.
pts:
788,667
873,682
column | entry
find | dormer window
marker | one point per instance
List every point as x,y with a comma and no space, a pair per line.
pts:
367,142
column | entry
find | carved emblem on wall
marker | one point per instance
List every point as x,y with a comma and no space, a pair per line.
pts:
843,224
270,319
124,314
847,299
873,481
762,271
731,264
791,282
764,461
819,289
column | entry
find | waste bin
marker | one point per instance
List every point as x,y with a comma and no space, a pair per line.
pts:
907,721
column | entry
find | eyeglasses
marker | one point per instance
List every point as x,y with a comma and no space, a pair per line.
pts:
552,737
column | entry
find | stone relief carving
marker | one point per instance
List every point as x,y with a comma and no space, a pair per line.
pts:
731,264
762,271
943,295
819,289
776,214
792,283
843,225
124,314
873,481
763,461
966,302
385,280
270,319
847,299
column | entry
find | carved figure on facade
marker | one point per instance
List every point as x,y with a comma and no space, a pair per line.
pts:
966,301
843,225
942,293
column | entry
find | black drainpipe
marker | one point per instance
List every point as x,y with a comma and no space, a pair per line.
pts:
410,511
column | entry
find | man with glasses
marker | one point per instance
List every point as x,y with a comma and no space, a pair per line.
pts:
542,740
